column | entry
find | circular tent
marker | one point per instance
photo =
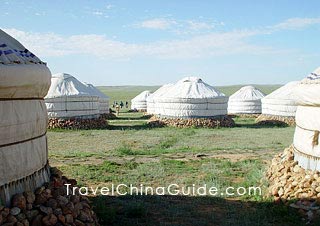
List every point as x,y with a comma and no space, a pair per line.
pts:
103,99
191,98
246,100
70,98
140,102
281,102
280,105
25,80
159,92
306,137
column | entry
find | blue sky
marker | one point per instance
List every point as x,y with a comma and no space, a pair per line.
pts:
156,42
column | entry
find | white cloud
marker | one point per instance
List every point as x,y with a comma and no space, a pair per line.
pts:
98,13
50,44
201,45
195,25
295,23
157,23
109,6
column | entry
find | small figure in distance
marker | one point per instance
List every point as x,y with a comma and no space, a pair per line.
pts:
127,104
117,109
121,104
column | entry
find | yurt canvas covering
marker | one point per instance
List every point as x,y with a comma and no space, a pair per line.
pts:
246,100
191,98
281,102
157,93
103,99
140,101
306,137
70,98
25,80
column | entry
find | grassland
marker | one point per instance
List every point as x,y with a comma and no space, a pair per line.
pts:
130,152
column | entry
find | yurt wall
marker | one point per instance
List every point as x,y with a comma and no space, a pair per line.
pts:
306,137
140,101
103,99
246,100
281,102
191,98
70,98
25,81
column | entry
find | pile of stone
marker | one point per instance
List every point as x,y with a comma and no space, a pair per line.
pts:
275,120
49,205
294,186
223,121
77,123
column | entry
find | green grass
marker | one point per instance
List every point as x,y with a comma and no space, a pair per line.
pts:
130,152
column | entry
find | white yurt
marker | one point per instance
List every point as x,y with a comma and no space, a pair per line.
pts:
306,137
103,98
140,102
281,101
190,97
246,100
150,99
70,98
24,81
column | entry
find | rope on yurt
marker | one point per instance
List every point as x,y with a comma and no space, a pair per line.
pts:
23,141
315,139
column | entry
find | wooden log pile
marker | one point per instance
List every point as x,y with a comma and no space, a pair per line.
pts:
49,205
222,121
77,123
294,186
275,120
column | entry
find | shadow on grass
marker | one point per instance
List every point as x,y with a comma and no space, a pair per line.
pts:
260,126
190,211
130,127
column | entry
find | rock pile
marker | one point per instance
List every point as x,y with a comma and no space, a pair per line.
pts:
292,185
223,121
49,205
275,120
76,123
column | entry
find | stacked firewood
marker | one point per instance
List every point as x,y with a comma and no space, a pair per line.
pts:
49,205
223,121
77,123
292,185
275,120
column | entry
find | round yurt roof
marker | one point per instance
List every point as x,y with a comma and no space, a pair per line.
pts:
95,91
63,84
23,75
313,77
247,93
307,91
159,91
13,52
191,88
284,93
142,97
